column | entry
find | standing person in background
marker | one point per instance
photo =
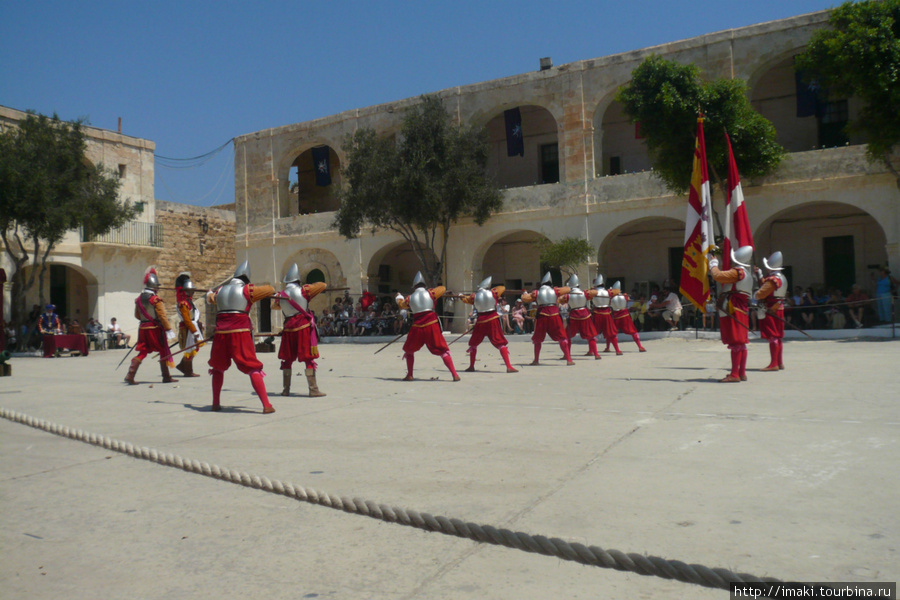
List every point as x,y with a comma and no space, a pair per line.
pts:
619,303
771,294
884,288
155,332
487,324
190,329
299,338
734,302
426,329
548,320
233,339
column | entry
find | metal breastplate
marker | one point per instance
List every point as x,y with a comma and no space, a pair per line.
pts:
231,297
546,296
782,291
420,301
618,302
577,299
295,293
484,301
745,285
144,299
601,300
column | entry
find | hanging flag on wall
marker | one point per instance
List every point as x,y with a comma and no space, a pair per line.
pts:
697,240
322,165
737,225
515,142
808,96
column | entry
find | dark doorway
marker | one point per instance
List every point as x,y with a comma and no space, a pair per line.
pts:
315,276
676,257
265,316
840,262
550,163
58,290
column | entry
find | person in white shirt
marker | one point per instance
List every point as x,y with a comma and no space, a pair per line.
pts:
116,333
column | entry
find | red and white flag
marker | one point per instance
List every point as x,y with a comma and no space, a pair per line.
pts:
737,225
697,240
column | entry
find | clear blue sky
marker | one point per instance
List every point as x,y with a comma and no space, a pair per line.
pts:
190,75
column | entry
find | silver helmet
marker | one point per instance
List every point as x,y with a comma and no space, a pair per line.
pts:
151,279
293,275
774,262
485,284
742,256
573,281
419,280
547,280
598,281
184,282
243,271
617,286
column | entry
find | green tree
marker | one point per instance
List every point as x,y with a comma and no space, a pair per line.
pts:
566,255
665,97
47,189
418,185
860,56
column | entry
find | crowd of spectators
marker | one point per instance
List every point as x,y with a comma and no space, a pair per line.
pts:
369,315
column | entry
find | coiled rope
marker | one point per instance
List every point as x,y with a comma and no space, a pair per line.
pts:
575,552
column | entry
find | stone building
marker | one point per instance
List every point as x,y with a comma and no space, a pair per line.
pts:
101,276
584,173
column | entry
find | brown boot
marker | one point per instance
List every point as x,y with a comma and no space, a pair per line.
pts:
188,367
132,371
286,376
311,380
164,369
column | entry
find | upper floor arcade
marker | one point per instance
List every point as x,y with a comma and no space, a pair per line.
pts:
574,134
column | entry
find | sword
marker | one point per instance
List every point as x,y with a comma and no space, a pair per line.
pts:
469,330
722,304
389,343
126,356
209,339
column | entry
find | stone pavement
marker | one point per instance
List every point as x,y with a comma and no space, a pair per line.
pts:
791,475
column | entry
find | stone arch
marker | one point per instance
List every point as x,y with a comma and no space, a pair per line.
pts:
310,260
541,161
71,287
811,235
393,267
296,173
639,253
511,257
617,148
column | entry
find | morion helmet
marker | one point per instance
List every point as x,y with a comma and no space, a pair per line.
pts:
419,281
573,281
243,271
151,279
184,282
547,280
598,282
485,284
742,255
293,275
774,262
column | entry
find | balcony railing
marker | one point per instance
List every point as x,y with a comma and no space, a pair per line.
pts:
130,234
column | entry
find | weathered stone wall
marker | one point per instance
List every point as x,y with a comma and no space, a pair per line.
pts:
208,255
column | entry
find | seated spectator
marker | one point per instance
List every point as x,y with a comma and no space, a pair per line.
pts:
834,315
859,301
518,316
669,308
530,316
74,328
117,336
638,311
808,308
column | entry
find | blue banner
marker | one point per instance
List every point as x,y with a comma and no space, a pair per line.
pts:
515,142
322,165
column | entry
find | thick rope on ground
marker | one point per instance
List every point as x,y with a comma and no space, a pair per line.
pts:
586,555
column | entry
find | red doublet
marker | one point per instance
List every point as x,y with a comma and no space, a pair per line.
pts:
736,325
580,322
426,331
548,322
603,322
234,341
623,322
487,326
296,342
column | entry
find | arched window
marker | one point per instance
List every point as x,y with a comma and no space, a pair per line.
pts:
315,276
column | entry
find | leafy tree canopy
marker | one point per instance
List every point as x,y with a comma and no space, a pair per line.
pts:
566,255
419,184
860,56
665,98
47,188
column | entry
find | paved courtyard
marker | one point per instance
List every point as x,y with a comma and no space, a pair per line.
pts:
791,475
